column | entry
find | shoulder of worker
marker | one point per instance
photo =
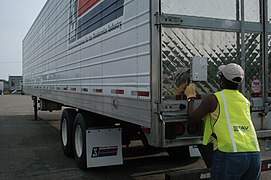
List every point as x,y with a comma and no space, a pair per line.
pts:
211,102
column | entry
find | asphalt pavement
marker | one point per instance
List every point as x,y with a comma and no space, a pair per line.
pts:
31,149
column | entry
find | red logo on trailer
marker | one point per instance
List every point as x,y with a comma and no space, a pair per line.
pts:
85,5
87,16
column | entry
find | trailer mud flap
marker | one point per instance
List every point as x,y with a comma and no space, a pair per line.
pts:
104,147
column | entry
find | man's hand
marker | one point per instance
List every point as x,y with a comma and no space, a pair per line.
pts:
190,91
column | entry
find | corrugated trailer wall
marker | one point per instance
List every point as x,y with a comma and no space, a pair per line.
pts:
96,58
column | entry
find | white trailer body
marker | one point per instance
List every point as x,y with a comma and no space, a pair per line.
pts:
107,63
126,59
105,69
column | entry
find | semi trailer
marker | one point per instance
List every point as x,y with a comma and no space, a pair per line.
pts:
119,67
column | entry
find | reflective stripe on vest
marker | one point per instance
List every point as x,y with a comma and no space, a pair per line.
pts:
228,121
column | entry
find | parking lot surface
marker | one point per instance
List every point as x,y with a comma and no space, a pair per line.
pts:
31,149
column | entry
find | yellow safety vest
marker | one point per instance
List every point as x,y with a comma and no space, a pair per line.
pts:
234,128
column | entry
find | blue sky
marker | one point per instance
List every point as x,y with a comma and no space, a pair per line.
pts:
16,17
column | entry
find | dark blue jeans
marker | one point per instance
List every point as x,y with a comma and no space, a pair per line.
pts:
233,166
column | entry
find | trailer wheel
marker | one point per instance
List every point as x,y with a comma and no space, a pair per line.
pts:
67,119
79,134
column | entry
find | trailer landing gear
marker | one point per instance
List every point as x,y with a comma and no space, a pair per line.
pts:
35,106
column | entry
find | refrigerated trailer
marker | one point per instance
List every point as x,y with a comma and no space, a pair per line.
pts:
120,67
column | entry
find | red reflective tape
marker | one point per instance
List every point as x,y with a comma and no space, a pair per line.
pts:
119,91
143,93
98,90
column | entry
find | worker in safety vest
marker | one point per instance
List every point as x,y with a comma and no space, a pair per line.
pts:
228,126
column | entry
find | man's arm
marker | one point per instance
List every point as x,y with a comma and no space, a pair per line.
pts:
207,105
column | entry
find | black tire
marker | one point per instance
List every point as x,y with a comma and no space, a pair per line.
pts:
180,153
79,141
67,120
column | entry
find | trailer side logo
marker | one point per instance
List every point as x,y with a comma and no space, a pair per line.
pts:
86,16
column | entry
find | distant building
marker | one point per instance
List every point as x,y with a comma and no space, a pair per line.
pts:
15,83
4,86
